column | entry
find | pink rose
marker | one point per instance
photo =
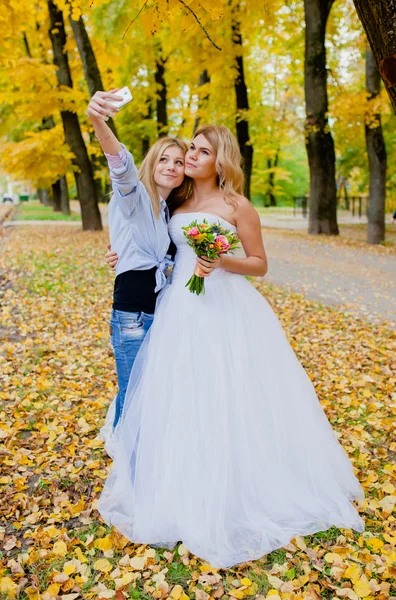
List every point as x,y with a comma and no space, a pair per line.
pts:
225,244
193,232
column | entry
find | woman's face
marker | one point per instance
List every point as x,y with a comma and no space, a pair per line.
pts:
169,173
201,159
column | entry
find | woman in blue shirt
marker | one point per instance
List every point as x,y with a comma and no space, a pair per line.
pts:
138,225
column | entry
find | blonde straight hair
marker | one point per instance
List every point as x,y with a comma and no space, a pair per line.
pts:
230,176
147,169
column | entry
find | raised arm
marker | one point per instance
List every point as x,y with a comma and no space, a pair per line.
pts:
123,172
99,110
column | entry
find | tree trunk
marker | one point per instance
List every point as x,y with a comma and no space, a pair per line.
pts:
271,179
379,21
377,157
65,206
60,195
146,138
57,196
93,79
242,124
44,196
84,175
162,114
89,62
319,141
203,79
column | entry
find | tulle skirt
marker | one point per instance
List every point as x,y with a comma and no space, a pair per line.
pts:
223,443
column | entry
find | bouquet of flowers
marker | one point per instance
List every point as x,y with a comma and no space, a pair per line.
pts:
209,240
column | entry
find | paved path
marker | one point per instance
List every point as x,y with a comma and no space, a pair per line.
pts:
286,220
355,278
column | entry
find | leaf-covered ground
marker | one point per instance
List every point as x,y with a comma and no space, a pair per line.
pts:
58,377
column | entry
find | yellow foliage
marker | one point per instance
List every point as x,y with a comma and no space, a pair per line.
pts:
41,158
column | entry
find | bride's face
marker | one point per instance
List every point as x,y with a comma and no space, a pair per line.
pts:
201,159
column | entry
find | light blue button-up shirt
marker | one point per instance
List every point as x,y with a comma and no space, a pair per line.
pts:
140,239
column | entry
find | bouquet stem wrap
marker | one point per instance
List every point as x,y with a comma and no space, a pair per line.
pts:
209,240
196,283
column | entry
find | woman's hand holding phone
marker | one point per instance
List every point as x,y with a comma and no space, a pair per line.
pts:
100,106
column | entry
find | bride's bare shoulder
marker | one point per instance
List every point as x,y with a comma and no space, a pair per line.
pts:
245,209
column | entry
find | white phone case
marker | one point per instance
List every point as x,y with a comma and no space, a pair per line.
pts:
126,95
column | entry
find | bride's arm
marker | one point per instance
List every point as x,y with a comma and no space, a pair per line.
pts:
249,232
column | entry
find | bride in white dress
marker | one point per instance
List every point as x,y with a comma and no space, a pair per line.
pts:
223,444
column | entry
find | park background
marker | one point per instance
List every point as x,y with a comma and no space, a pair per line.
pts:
238,64
334,294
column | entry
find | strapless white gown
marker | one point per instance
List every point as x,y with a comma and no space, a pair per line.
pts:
223,443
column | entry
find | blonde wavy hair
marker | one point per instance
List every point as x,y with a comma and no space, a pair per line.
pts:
147,169
230,177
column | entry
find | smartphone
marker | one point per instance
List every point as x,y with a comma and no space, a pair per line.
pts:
125,92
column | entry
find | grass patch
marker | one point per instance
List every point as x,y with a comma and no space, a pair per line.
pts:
34,211
330,535
42,571
178,573
261,580
277,556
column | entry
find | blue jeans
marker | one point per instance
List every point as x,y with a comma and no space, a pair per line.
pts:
127,332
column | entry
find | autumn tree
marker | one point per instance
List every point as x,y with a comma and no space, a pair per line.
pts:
60,192
204,80
378,18
242,102
161,93
178,78
83,173
275,79
319,141
88,59
376,154
32,141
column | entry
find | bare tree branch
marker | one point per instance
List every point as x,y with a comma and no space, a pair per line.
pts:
200,24
133,20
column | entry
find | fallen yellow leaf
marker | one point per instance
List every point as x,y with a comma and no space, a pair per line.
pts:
103,565
60,548
138,562
362,587
7,586
103,544
176,592
69,569
81,557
